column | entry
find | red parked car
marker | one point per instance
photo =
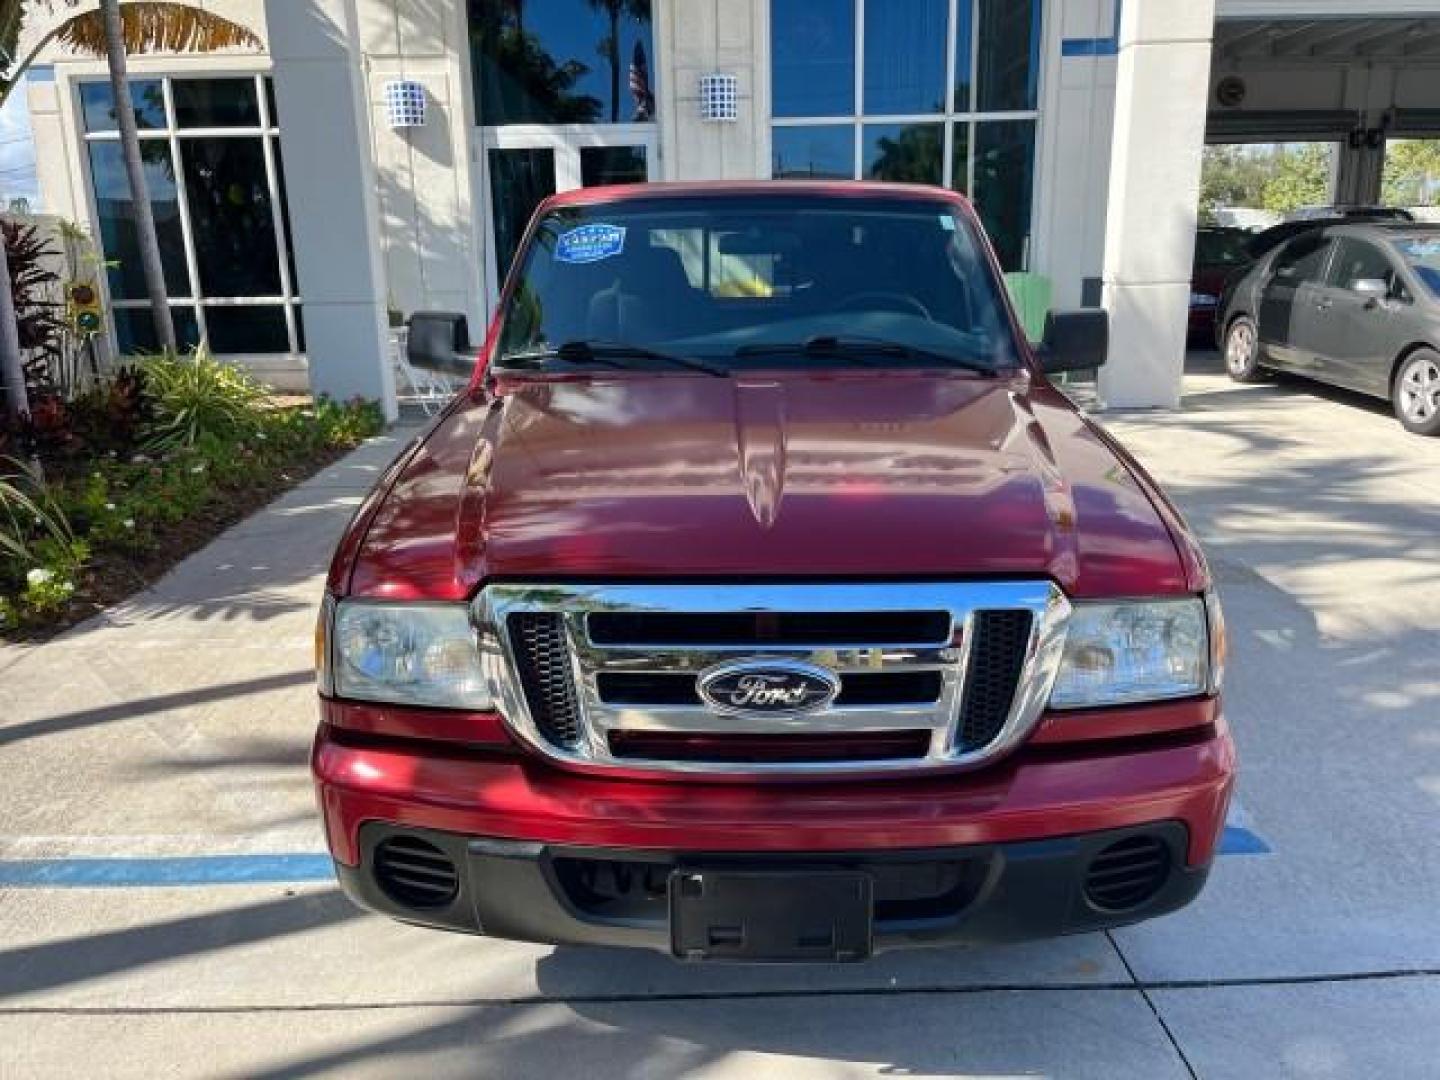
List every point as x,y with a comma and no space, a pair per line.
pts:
1220,254
760,599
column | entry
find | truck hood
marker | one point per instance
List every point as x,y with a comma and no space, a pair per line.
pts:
864,474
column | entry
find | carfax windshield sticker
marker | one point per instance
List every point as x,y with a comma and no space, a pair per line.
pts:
590,243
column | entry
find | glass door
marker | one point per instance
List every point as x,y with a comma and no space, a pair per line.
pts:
523,164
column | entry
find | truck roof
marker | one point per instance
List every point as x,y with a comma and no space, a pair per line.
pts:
681,189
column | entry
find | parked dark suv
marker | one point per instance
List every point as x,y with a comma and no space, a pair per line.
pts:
1355,305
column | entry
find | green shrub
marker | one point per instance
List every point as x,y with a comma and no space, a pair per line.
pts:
30,513
197,396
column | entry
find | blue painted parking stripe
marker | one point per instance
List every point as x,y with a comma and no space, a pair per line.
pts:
183,870
1238,840
289,869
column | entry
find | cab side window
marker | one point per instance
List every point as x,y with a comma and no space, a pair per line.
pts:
1358,261
1301,260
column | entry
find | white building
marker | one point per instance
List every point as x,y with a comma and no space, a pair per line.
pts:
294,208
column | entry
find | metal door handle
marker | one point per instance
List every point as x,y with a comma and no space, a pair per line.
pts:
1324,305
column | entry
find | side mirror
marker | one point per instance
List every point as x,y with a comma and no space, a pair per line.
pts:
439,342
1372,288
1074,340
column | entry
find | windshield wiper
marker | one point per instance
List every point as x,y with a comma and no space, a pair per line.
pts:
610,353
857,347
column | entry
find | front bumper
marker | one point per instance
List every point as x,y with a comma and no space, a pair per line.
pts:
980,893
1024,832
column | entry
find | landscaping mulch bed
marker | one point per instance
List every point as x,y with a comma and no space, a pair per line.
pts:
113,576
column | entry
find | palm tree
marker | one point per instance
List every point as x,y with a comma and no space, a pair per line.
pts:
609,46
112,31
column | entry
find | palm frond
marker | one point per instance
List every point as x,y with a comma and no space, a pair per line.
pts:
156,27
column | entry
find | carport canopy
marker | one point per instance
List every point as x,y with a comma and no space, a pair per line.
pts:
1351,81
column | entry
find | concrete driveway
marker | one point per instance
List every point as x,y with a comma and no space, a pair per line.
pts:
169,740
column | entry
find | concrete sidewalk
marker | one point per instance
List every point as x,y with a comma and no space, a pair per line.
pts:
178,725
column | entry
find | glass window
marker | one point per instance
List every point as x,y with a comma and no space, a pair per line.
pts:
215,103
519,181
987,115
1302,259
964,49
1359,261
562,61
612,165
960,157
905,56
231,217
135,330
1004,166
97,104
809,153
812,45
904,153
226,245
247,329
116,212
1422,255
1008,55
744,282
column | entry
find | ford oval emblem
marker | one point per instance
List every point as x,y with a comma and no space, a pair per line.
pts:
768,687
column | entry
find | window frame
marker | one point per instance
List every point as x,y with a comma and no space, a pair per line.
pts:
267,131
949,116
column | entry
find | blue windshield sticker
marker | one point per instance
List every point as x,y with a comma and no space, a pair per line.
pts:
590,243
947,223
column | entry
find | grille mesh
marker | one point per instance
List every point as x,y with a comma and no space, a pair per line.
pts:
997,654
543,658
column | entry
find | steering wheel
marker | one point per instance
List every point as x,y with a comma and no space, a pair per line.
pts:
894,301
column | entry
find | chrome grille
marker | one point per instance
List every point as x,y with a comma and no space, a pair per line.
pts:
543,661
997,653
942,675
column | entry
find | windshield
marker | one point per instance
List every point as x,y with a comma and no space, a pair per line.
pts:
1423,255
745,282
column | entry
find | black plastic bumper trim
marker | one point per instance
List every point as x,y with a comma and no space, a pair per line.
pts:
1031,889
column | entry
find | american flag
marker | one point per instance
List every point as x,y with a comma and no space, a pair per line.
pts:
640,85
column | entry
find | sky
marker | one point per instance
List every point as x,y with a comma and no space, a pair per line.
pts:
17,152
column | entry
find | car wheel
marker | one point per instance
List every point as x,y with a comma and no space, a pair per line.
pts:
1242,351
1416,393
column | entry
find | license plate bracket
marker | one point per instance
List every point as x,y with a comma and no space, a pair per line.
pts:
769,916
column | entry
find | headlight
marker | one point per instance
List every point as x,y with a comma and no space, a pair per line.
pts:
1147,651
407,654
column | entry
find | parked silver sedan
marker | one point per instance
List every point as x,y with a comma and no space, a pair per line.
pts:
1354,305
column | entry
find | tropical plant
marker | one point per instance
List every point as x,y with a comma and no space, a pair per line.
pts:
197,397
30,513
33,286
609,45
112,31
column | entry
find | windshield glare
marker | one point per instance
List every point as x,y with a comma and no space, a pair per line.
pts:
1423,255
721,279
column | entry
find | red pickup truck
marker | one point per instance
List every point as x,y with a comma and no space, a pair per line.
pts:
761,599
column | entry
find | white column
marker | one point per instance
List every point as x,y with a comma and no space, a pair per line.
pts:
330,186
1161,88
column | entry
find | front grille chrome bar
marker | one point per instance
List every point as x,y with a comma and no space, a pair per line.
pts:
950,656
